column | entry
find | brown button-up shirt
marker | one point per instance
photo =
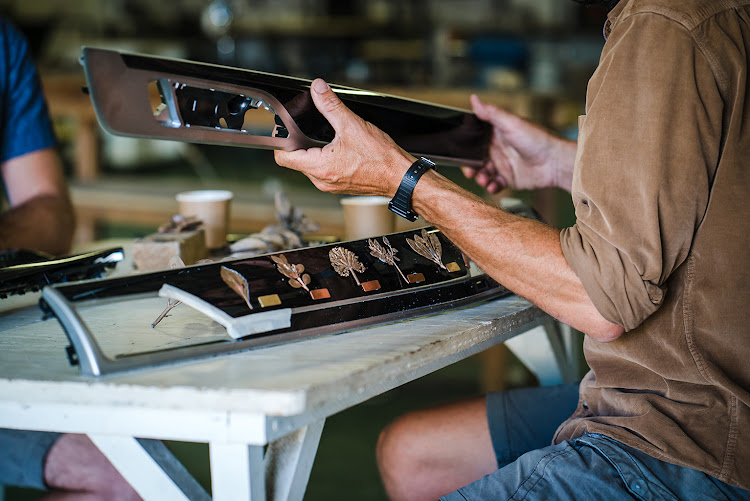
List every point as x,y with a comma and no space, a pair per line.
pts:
661,190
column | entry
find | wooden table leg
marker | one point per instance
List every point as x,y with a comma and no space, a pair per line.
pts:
289,462
494,364
241,472
86,165
85,228
237,472
150,468
533,349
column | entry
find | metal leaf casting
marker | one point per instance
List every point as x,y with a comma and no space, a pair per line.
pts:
237,283
345,262
386,255
428,245
294,272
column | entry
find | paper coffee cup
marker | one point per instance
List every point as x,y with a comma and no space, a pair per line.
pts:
366,217
211,207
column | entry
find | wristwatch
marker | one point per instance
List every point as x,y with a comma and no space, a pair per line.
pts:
401,201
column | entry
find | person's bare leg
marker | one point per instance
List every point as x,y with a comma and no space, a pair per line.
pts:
428,453
76,469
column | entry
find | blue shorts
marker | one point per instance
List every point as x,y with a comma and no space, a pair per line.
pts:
527,419
22,455
592,466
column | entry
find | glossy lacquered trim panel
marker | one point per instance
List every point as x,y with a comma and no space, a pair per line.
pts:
118,84
298,314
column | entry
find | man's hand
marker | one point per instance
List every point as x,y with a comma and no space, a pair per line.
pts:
361,159
522,156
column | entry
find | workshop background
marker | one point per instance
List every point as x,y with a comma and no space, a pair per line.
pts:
533,57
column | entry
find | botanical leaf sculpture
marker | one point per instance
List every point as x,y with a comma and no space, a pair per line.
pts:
388,256
345,262
428,245
283,235
291,217
294,272
175,262
237,283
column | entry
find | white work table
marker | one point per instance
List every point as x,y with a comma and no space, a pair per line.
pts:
239,403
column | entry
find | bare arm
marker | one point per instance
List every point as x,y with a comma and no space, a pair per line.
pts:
523,255
41,215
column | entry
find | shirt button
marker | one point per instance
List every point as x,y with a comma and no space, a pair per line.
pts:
639,486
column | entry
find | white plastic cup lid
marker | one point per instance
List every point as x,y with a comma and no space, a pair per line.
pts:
204,196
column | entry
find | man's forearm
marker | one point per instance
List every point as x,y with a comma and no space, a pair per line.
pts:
44,223
523,255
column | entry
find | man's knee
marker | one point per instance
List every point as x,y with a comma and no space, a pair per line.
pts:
431,452
400,457
395,444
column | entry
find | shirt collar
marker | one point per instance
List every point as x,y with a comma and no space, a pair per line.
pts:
612,17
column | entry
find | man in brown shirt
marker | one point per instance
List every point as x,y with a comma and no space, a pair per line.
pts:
655,272
662,239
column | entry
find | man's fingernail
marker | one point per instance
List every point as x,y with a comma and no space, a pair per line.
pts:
320,86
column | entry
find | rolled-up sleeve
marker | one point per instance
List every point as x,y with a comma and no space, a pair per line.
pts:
648,150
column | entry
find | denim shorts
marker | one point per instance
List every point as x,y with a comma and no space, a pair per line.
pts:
22,455
589,467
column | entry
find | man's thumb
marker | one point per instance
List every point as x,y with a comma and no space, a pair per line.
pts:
498,117
328,103
481,109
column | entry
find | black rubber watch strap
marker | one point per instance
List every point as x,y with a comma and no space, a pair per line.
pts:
401,202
